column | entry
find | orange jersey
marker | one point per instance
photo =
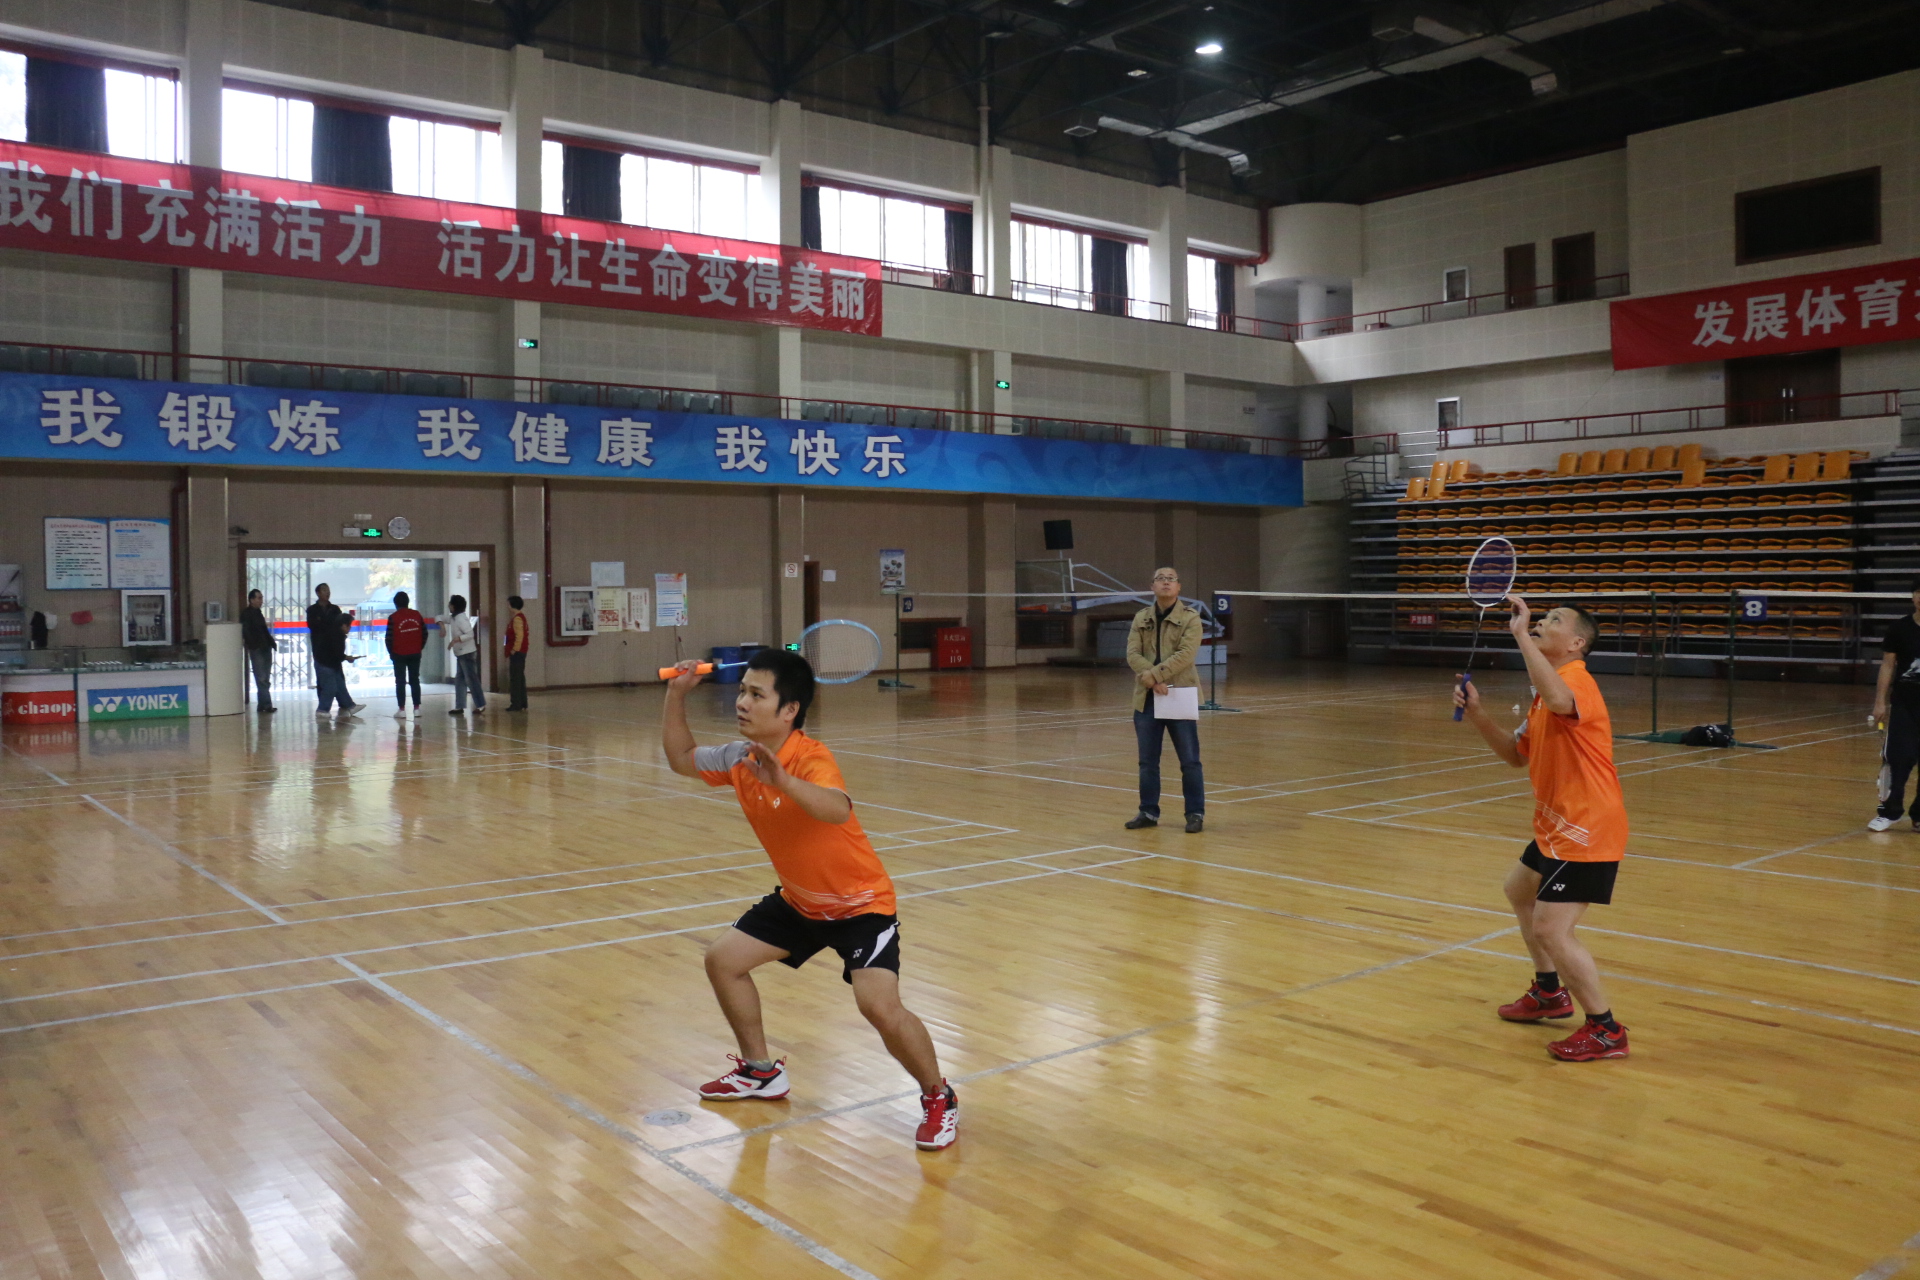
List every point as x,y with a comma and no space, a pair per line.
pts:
827,871
1579,814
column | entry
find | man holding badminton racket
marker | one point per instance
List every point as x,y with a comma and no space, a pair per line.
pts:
1579,823
833,890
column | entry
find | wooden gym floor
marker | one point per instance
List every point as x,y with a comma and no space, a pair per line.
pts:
304,1000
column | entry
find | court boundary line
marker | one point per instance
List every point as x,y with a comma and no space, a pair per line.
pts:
527,1075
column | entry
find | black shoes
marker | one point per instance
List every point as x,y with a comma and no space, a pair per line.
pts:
1140,820
1194,823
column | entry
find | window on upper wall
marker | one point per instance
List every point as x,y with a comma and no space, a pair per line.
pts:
1453,285
1209,291
1817,216
895,229
283,136
142,109
1056,265
666,192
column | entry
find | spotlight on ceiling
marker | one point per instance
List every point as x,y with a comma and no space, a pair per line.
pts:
1085,125
1000,33
1210,49
1139,73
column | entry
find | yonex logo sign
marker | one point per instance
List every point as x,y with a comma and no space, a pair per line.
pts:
137,704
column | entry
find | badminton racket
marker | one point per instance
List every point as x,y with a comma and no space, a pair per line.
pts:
1883,782
1489,582
839,650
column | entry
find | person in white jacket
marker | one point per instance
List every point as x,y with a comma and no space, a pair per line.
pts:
466,657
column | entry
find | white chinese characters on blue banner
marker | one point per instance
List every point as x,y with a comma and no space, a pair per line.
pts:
107,419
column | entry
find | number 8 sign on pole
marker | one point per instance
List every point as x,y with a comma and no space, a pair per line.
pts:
1754,608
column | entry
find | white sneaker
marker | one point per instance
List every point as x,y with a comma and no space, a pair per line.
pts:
1881,824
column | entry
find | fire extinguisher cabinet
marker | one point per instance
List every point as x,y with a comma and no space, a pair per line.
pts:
952,647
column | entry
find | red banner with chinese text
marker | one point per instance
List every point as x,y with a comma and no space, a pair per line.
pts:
1845,308
180,216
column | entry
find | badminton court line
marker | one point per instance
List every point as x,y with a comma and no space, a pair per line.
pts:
1219,1012
519,1070
289,961
499,959
34,764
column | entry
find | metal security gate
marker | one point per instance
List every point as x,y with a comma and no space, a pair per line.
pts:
363,585
287,584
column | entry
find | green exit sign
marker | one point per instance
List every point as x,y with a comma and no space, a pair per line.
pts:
371,532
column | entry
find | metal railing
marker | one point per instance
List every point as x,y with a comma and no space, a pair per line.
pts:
1479,304
1708,417
932,278
302,375
1112,304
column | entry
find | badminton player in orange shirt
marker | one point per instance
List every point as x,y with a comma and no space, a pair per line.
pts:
833,890
1579,824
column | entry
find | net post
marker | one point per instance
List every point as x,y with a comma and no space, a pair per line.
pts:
1655,647
896,682
1733,613
1213,681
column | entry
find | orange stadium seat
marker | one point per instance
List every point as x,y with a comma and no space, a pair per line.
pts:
1638,458
1590,462
1777,469
1806,466
1662,459
1614,462
1836,466
1416,488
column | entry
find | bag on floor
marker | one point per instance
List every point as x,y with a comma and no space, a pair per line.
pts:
1707,735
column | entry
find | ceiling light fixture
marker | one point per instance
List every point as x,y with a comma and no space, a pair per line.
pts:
1210,49
1138,73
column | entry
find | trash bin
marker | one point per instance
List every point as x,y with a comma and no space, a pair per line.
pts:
724,654
952,647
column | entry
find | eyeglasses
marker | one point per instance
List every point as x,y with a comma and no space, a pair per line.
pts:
1166,577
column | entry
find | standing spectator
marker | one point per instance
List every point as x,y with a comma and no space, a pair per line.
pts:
517,637
327,627
256,637
466,658
1161,647
406,637
1896,709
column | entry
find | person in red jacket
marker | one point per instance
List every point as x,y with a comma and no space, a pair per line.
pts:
406,637
517,636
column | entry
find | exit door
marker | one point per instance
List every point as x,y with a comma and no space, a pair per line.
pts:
810,592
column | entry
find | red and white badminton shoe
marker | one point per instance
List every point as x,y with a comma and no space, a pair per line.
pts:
745,1082
1590,1042
940,1119
1537,1004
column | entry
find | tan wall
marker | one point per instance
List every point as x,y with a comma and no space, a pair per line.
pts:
30,492
846,533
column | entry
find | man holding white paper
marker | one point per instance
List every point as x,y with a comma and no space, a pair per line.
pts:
1162,645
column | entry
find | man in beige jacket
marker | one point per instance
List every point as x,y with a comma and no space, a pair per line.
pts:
1162,645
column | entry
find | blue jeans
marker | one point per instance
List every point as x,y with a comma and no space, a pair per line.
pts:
1186,745
466,675
331,683
406,667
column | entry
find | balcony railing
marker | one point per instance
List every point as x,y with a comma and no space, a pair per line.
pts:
1479,304
1707,417
92,362
1110,304
932,278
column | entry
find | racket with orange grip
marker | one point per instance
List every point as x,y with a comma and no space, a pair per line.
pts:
840,651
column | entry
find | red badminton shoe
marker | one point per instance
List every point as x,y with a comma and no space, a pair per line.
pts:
1536,1005
940,1122
744,1082
1589,1043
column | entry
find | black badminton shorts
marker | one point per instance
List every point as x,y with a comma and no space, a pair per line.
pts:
863,942
1570,881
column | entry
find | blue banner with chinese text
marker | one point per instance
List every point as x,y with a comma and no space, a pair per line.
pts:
55,418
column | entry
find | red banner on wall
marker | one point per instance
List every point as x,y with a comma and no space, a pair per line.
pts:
1845,308
180,216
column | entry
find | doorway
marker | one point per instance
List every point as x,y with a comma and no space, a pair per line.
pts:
1795,388
809,592
363,584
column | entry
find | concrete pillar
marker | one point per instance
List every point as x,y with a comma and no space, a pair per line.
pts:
202,313
526,552
990,557
1167,252
781,373
209,560
1313,306
1167,403
789,548
1315,413
778,206
993,221
520,136
993,403
1176,542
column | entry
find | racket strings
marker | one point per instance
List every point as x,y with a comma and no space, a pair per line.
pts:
840,651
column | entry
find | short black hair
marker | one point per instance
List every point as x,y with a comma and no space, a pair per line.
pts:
1584,625
792,678
456,604
516,602
401,599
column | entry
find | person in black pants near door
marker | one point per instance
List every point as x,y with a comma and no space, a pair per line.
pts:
256,637
1896,705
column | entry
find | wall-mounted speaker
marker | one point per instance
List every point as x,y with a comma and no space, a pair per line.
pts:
1059,534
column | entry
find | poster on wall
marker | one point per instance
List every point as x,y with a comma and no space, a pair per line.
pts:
608,573
146,618
140,554
893,570
669,599
640,609
529,586
579,612
610,608
76,550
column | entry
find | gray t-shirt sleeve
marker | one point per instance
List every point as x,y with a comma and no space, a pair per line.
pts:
719,759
